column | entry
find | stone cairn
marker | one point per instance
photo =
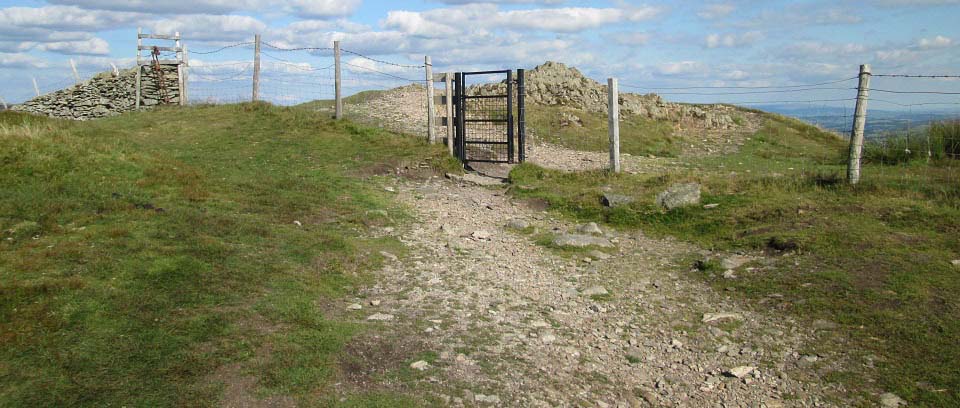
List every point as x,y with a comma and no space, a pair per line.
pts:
555,84
106,94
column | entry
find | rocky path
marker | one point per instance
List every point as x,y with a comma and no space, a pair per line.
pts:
514,323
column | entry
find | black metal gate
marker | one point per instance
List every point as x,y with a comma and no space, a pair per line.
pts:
489,121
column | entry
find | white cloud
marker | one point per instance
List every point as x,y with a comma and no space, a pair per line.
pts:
61,18
715,11
448,21
203,27
682,68
733,40
23,61
92,46
628,38
810,49
935,42
302,8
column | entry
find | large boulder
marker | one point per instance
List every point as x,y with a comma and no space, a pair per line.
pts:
679,195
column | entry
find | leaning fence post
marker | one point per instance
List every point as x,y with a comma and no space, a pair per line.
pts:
448,82
431,111
4,103
139,78
338,104
256,67
36,87
613,126
76,75
859,122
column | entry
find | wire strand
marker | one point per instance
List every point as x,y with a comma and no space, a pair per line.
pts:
757,92
282,49
221,48
914,92
914,76
381,61
384,73
741,87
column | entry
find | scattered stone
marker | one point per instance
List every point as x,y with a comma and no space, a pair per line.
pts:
674,343
739,371
595,291
390,189
297,223
548,338
380,317
569,119
595,254
955,263
729,274
481,235
891,400
477,179
389,256
820,324
354,306
581,241
679,195
734,262
616,200
420,365
492,399
518,224
374,303
711,206
716,317
590,228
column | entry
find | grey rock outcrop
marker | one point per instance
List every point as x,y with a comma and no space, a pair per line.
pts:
555,84
679,195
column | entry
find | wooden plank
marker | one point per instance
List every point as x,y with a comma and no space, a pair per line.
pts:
162,62
157,36
150,48
256,67
431,110
613,123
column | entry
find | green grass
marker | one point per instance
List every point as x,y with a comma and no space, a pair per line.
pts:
938,141
874,258
638,136
140,253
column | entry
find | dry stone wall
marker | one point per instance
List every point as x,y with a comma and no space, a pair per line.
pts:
106,94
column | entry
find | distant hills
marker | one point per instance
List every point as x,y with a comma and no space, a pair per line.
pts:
878,121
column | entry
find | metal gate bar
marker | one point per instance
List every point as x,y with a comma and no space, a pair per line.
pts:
486,128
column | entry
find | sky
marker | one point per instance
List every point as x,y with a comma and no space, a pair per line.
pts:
648,46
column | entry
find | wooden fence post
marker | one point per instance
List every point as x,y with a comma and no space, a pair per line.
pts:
184,93
36,87
256,67
859,122
613,124
116,71
76,75
448,83
179,55
431,110
4,103
139,78
338,103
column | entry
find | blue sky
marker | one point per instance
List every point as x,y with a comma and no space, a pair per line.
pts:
645,44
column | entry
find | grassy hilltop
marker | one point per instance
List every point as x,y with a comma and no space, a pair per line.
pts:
142,254
146,258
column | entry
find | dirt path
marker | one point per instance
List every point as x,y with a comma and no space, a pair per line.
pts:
513,323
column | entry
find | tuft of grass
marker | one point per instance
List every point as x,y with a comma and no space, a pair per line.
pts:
938,142
140,253
874,258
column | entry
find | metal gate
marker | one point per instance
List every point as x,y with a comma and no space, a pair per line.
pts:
489,121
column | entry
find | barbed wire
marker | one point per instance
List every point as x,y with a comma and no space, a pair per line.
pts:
282,49
757,92
221,48
302,68
742,87
792,101
381,61
913,104
914,76
385,74
913,92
